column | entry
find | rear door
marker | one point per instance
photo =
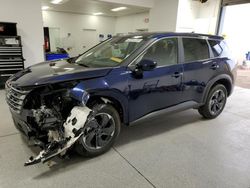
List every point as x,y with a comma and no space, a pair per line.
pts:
198,67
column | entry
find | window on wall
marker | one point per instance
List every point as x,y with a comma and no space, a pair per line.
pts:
163,52
234,2
195,49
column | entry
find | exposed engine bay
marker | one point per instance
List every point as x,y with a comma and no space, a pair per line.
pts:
55,120
61,138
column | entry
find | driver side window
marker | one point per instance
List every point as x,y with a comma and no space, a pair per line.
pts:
163,52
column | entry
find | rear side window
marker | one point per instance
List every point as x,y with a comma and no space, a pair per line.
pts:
226,52
216,48
195,49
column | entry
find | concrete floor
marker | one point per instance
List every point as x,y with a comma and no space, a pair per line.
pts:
243,78
180,150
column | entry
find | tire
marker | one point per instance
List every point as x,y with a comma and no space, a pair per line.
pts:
98,138
215,102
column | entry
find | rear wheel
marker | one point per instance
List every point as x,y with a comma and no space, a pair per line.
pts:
100,132
215,102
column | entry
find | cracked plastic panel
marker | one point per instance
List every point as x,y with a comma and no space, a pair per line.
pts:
72,132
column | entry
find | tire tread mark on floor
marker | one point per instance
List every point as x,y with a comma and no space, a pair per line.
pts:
134,168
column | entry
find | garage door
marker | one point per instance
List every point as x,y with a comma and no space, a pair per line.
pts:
234,2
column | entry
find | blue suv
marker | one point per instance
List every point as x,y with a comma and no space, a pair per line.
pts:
81,102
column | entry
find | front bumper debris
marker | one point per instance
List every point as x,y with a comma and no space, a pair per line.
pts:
72,132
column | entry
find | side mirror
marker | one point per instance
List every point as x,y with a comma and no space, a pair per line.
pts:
146,65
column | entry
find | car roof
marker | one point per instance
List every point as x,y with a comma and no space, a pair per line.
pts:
159,35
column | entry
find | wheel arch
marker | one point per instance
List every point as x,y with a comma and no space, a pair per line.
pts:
98,90
108,100
226,83
118,101
224,79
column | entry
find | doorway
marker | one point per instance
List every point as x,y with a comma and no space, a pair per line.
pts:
235,28
89,39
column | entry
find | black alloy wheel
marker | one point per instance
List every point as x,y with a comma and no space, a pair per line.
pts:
100,132
215,102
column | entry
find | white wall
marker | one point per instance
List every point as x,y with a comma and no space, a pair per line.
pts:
207,17
28,16
198,17
131,23
75,24
163,15
188,11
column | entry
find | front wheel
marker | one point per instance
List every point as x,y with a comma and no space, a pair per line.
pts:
215,102
100,133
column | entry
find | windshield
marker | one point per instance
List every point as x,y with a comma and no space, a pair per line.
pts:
111,53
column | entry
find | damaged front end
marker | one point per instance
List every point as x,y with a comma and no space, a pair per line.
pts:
49,116
63,137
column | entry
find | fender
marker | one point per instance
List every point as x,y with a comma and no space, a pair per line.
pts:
113,95
213,81
88,89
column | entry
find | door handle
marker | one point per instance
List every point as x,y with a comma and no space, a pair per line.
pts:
177,74
214,66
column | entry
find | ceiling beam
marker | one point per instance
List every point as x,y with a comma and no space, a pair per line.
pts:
139,3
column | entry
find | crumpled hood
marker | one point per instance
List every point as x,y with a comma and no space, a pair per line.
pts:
54,72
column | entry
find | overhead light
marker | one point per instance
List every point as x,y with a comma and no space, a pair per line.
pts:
45,7
118,9
56,1
97,13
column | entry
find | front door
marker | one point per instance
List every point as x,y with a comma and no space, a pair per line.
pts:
161,87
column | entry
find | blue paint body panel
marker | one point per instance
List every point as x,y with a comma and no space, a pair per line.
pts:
155,90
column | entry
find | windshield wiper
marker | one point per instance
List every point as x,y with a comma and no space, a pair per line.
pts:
71,60
82,65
